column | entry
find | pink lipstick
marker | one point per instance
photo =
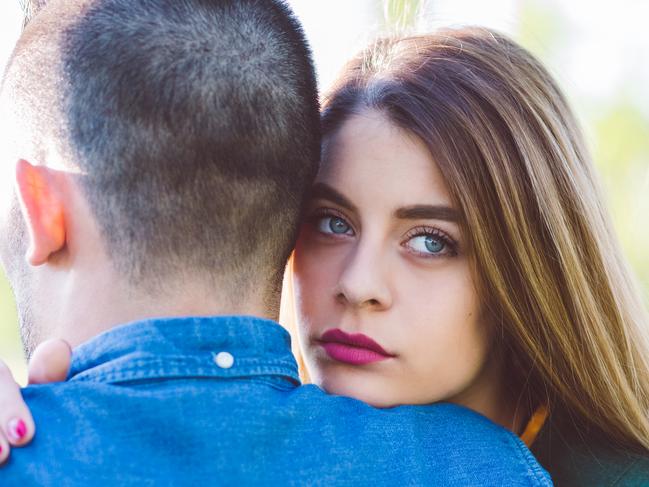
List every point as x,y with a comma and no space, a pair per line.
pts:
357,349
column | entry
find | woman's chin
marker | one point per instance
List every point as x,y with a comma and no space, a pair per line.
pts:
374,396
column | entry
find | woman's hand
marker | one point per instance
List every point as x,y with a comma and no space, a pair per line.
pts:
49,363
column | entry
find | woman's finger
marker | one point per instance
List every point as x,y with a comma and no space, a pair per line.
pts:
16,421
50,362
4,449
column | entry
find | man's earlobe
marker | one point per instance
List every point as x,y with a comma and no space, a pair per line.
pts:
42,208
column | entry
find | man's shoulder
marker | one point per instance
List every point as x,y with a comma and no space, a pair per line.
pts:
426,425
438,419
437,434
264,429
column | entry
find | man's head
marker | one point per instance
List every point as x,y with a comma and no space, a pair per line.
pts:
188,130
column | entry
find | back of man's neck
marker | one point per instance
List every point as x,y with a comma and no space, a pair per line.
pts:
89,312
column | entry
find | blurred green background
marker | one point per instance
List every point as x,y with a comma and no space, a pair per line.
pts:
598,51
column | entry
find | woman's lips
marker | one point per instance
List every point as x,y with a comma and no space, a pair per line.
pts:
357,349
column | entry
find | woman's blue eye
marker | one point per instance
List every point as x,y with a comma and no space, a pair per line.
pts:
334,225
427,244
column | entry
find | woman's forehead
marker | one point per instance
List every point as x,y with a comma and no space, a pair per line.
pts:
370,159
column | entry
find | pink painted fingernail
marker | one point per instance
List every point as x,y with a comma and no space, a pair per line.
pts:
17,429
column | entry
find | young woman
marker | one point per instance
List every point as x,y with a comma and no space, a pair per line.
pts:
456,248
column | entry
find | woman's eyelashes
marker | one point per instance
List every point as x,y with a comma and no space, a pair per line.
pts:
430,242
423,241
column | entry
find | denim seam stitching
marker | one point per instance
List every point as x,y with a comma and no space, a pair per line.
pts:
142,369
530,461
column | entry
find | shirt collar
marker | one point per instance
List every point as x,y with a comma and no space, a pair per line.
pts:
187,347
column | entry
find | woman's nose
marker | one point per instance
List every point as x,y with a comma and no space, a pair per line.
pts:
362,283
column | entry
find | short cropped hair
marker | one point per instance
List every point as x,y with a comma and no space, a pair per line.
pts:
195,124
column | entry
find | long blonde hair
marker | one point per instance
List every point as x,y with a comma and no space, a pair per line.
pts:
566,310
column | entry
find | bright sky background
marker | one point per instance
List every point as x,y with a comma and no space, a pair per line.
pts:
9,27
609,42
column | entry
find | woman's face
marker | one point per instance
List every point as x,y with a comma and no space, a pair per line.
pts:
387,308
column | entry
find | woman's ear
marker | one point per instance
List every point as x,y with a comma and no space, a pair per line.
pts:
42,209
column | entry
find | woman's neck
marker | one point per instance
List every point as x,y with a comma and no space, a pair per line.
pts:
490,396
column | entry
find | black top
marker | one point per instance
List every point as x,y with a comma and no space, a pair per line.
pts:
579,456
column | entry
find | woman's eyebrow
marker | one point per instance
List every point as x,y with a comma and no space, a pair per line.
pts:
324,191
428,212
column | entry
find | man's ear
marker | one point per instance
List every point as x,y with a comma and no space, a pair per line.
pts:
42,209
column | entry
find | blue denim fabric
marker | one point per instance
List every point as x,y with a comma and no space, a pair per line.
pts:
147,404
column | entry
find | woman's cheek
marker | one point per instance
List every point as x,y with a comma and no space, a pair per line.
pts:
313,281
446,343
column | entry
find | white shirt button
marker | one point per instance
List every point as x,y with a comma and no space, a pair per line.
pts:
225,360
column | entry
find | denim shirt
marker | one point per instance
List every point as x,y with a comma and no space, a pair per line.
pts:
217,401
